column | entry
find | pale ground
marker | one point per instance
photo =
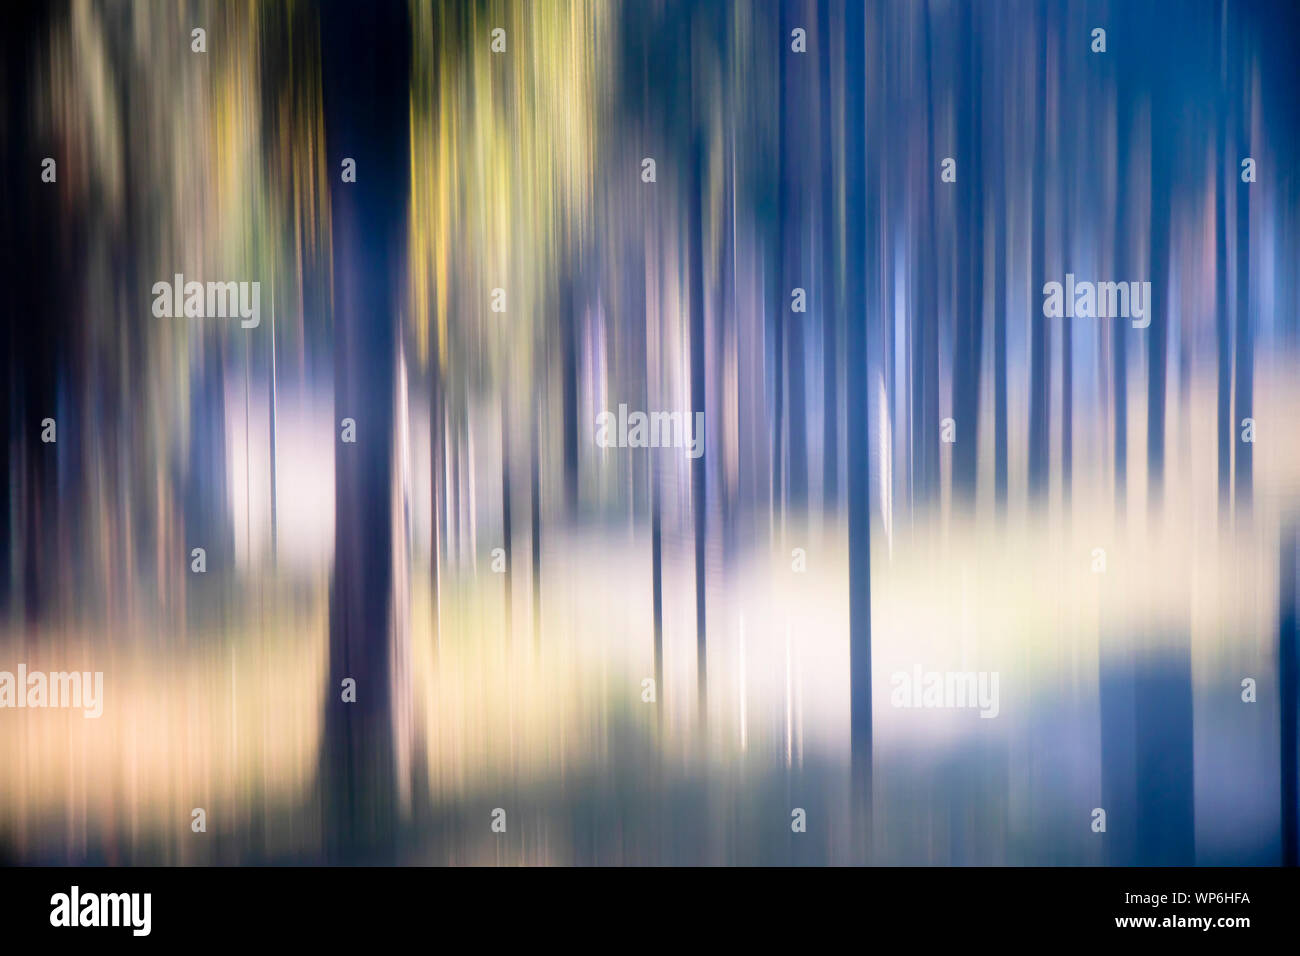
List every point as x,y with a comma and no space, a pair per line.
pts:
552,724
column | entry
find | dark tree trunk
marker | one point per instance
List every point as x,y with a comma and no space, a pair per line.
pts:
38,349
1065,147
1119,327
925,353
970,316
860,263
1162,192
699,496
1223,331
1166,750
657,587
1000,312
829,292
1288,658
778,298
569,388
1165,821
1040,331
366,118
1245,335
793,147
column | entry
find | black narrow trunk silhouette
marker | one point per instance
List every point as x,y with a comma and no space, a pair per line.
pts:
1288,665
365,68
569,386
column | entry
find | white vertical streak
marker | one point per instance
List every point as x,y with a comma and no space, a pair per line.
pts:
744,737
400,594
789,704
886,469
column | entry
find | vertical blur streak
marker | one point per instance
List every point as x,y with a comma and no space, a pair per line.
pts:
365,120
461,552
861,211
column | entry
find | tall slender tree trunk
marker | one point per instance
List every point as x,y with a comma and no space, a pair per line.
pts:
1223,331
793,144
1119,327
1162,192
1065,147
860,264
1245,335
777,297
829,278
507,525
1000,302
925,353
699,497
1040,350
1165,698
366,118
535,519
1288,657
657,588
437,489
569,389
970,317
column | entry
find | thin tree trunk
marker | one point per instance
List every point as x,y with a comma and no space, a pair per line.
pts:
778,293
970,317
829,279
1288,657
860,211
535,504
1223,331
569,388
1119,327
1245,335
1000,307
1162,192
1065,147
507,527
657,586
793,143
1040,331
699,498
925,353
437,489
